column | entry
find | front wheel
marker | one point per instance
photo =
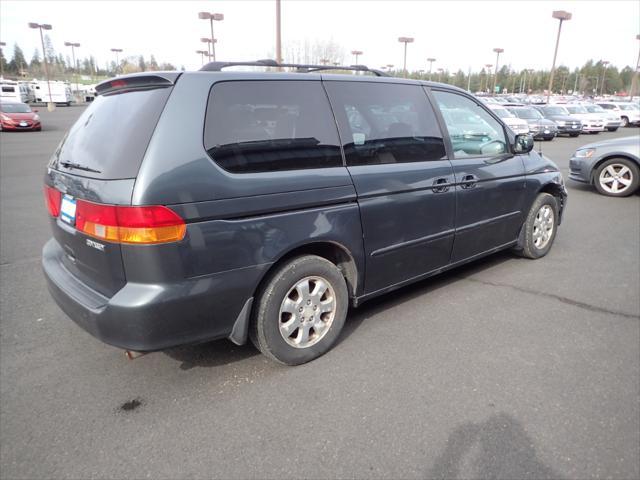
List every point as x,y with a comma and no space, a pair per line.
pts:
617,177
625,122
539,227
300,311
574,134
612,129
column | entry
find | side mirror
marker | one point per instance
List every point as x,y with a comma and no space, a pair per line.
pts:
523,144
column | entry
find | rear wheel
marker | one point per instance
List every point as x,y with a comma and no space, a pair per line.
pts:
612,129
617,177
574,134
300,311
539,227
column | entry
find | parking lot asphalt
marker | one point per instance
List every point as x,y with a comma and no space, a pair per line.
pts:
506,368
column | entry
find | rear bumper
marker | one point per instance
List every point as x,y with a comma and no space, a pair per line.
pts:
148,317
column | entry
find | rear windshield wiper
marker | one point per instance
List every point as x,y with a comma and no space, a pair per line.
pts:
79,167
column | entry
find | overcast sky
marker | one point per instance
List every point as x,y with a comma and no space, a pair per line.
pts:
459,34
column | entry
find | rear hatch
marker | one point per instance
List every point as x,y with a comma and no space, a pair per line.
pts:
97,163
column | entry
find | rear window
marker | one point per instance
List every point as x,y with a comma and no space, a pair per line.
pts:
112,134
266,126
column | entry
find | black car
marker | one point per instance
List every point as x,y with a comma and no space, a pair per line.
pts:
539,127
566,124
192,206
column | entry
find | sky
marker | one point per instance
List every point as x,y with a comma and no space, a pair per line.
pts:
458,34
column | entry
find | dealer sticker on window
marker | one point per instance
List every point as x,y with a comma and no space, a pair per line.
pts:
68,209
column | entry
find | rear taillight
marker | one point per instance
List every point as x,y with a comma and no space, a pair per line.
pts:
138,225
52,198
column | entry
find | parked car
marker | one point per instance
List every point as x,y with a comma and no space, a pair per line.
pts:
539,126
591,123
518,125
15,116
565,123
612,166
262,205
628,111
611,120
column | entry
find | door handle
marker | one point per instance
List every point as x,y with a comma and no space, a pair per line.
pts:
440,185
469,181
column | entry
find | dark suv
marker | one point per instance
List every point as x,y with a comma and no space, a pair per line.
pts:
187,207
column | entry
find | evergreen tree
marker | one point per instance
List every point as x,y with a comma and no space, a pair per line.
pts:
18,62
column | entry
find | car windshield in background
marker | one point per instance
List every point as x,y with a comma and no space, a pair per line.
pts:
528,113
503,113
576,109
594,109
628,107
15,108
555,111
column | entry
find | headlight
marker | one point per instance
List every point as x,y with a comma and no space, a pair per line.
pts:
584,153
562,123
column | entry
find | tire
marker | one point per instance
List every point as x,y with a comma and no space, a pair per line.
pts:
621,170
281,302
574,134
612,129
625,122
534,245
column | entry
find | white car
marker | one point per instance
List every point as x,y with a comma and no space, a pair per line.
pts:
628,112
518,125
591,122
612,121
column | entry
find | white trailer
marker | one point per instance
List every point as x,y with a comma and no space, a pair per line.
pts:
60,92
10,90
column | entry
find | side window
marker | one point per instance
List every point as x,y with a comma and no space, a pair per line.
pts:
472,130
268,126
384,123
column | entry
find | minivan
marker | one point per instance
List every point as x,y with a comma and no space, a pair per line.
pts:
193,206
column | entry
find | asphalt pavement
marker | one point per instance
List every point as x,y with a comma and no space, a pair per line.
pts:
506,368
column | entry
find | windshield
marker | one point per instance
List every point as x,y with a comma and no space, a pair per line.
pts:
528,113
576,109
594,109
503,113
15,108
628,107
555,111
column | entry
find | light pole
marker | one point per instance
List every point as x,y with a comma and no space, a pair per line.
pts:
604,71
531,70
430,60
45,26
278,34
440,70
488,66
211,17
202,53
2,44
405,40
495,77
356,53
208,42
562,16
634,81
117,51
75,65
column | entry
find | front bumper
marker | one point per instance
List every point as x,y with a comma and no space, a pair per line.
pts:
16,127
575,128
148,317
593,127
579,171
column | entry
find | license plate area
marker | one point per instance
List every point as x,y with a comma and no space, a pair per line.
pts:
68,210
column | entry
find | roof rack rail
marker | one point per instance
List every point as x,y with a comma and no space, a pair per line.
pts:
302,68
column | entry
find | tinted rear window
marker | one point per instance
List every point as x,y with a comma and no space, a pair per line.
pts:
265,126
112,134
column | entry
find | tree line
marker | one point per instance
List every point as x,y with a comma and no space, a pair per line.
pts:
61,66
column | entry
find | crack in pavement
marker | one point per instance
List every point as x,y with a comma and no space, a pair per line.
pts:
568,301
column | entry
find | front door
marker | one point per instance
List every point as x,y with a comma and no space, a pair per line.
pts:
490,181
396,156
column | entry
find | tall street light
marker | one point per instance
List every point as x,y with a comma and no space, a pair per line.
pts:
356,53
405,40
430,60
562,16
495,77
117,51
2,44
211,17
278,33
634,81
208,42
604,71
488,66
440,70
45,26
75,65
202,53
